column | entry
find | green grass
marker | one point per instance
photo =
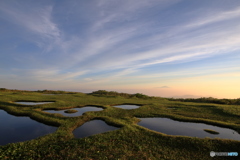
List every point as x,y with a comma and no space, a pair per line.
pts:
130,141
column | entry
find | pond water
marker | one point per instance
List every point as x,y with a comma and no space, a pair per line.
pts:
127,106
172,127
92,127
79,113
18,129
32,103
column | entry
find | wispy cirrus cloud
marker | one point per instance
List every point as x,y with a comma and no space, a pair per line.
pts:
52,75
36,20
216,17
112,44
182,47
56,75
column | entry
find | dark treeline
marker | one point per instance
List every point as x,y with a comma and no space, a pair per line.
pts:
209,100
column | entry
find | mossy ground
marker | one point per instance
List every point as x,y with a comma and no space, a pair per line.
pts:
130,141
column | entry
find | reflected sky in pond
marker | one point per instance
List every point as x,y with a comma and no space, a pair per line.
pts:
32,103
127,106
93,127
172,127
79,113
18,129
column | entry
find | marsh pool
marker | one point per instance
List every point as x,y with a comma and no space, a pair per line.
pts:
18,129
93,127
32,103
127,106
173,127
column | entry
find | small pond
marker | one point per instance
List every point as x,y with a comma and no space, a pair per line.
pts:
32,103
18,129
79,113
92,127
127,106
172,127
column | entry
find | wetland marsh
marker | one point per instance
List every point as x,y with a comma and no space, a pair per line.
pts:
115,133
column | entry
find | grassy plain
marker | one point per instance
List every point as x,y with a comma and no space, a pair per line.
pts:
130,141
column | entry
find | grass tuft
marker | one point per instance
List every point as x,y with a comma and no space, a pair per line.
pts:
71,111
211,131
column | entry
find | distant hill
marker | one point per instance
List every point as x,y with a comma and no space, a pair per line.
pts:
187,96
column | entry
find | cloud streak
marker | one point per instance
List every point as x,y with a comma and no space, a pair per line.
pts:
37,21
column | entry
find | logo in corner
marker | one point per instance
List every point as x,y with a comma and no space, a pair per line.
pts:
212,153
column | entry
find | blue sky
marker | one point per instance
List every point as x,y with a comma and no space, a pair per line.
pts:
156,47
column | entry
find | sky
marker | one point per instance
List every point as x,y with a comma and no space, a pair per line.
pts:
167,48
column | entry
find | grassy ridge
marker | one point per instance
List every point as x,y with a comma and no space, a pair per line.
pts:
130,141
208,100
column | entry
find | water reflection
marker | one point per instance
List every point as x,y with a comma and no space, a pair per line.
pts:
127,106
172,127
91,128
79,113
32,103
18,129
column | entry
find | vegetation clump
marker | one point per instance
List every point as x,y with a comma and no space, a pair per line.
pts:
71,111
45,91
115,94
211,131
